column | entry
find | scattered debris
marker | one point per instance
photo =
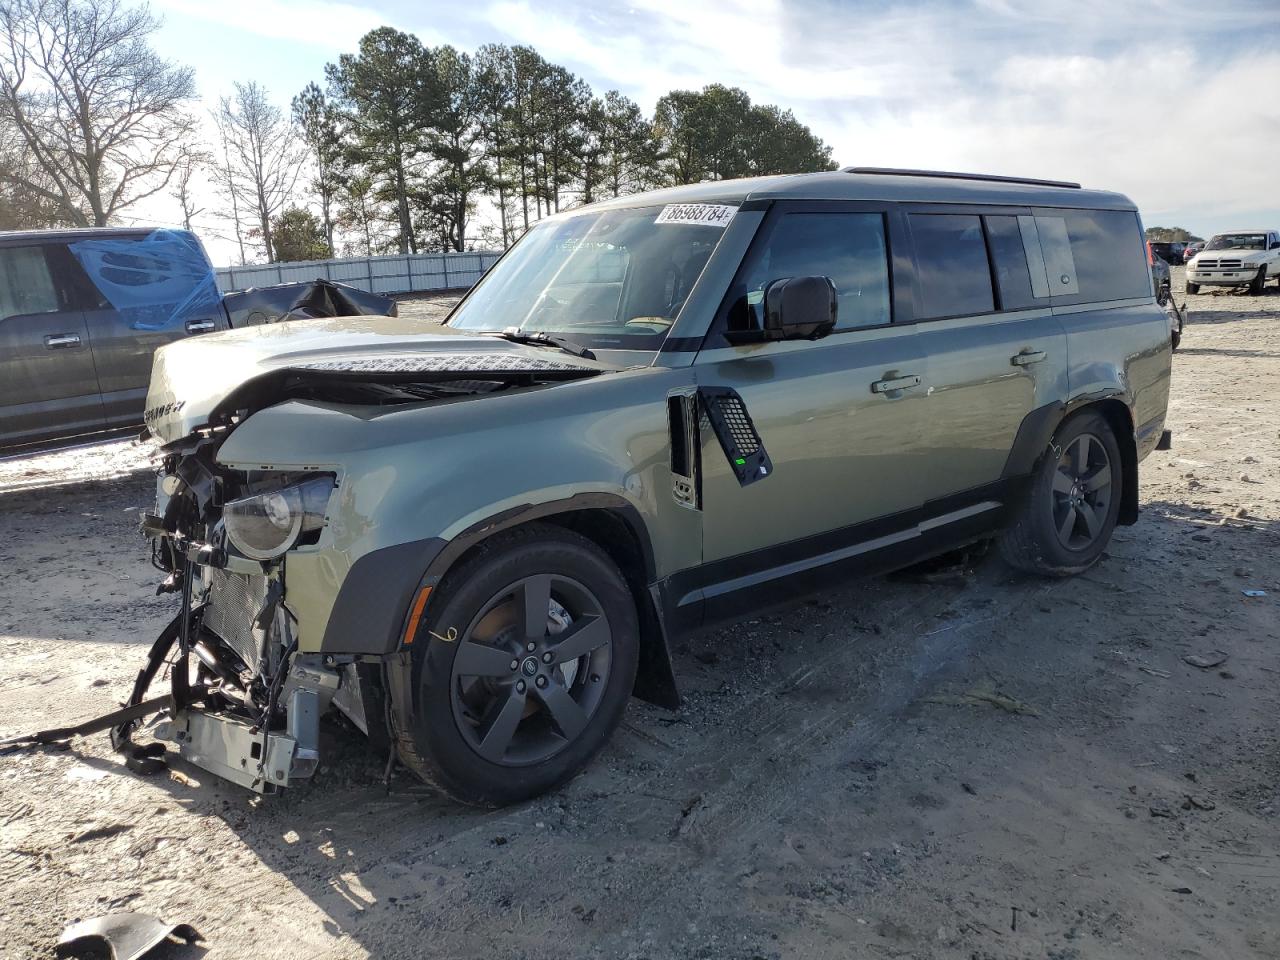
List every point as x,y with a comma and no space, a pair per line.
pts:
1163,855
968,789
122,936
1162,674
1198,803
1182,890
1254,593
1217,658
1161,812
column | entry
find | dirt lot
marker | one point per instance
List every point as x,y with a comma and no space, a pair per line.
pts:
984,767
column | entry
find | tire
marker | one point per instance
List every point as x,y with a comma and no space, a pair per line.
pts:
488,734
1193,287
1175,339
1049,534
1255,286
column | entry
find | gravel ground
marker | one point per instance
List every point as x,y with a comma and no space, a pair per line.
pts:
975,765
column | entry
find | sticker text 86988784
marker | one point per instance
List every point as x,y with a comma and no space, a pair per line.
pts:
706,214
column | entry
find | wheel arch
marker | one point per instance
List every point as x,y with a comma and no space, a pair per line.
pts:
1039,427
616,527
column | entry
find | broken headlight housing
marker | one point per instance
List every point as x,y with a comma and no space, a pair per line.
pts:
268,524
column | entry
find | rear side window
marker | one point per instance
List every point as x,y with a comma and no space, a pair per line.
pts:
1094,255
26,283
849,248
951,264
1009,260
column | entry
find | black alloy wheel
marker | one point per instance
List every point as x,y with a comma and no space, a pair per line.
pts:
531,670
522,667
1082,492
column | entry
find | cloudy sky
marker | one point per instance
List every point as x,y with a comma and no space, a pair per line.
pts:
1176,104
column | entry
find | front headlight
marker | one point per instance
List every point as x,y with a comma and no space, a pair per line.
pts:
266,525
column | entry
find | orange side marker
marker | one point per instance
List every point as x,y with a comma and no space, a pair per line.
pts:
414,617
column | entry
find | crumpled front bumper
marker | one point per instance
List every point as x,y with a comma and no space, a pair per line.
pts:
237,750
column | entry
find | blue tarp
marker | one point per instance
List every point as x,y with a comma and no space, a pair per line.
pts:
155,282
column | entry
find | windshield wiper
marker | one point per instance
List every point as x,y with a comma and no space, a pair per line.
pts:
543,339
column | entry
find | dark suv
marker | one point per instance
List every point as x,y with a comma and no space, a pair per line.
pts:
83,311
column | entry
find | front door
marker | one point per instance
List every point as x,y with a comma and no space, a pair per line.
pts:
839,417
48,384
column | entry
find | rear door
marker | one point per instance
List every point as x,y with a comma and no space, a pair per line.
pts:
139,294
995,351
48,384
839,418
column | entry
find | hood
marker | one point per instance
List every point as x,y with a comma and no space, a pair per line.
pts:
203,380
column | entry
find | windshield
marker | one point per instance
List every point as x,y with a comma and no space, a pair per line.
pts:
1238,241
612,279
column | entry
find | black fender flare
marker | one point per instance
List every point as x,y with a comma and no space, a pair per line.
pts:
655,681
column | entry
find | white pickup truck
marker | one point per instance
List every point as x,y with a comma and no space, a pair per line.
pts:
1236,259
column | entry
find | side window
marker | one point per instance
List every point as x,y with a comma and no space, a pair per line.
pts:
951,264
26,283
1094,255
1009,258
849,248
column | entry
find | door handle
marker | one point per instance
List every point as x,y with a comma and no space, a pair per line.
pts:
895,383
1027,357
200,326
61,341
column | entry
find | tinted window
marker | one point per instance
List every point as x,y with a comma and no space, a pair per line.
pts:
847,247
1105,256
1009,256
951,264
26,284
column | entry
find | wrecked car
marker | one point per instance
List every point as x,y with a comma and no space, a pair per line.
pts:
82,311
653,415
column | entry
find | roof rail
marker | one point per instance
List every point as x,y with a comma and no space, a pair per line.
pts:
948,175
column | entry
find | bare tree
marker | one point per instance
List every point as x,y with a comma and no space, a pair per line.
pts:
194,161
97,120
263,157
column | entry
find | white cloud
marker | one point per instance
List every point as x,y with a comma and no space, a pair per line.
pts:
324,23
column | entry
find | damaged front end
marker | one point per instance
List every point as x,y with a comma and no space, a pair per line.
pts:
246,704
248,682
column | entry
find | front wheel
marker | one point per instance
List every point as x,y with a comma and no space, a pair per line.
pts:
1193,287
1067,516
1255,288
522,668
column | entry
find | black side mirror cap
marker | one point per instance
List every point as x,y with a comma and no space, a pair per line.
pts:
795,308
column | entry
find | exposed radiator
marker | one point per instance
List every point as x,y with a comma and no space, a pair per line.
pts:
234,601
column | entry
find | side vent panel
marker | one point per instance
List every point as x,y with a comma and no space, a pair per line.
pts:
737,434
686,450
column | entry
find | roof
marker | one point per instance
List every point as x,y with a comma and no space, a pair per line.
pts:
74,233
841,185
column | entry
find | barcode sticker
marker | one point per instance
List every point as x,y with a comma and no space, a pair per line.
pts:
707,214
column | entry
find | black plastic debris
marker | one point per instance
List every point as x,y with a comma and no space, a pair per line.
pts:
124,936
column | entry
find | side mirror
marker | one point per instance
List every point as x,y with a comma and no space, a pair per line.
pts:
795,308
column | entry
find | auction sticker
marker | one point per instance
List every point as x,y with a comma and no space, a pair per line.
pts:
707,214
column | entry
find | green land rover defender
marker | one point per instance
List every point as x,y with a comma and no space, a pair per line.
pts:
652,415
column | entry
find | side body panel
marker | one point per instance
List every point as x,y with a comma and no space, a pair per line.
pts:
605,435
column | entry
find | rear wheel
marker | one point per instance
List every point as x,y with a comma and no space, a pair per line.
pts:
1255,287
1070,511
522,669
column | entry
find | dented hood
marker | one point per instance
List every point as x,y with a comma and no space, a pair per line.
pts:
194,380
